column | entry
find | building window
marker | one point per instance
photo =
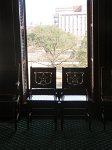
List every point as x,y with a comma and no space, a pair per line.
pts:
57,34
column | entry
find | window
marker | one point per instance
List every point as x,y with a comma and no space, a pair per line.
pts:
57,34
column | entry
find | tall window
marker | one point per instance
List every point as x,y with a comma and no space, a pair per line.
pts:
57,34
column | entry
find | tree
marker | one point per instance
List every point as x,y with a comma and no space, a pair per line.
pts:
57,44
82,52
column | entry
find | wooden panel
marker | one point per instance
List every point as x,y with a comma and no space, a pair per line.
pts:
74,80
7,54
43,77
106,81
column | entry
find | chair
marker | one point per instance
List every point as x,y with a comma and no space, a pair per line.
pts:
42,100
106,94
9,93
74,96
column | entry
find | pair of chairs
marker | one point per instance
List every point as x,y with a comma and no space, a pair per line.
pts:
45,100
9,93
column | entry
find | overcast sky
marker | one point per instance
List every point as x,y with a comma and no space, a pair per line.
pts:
41,11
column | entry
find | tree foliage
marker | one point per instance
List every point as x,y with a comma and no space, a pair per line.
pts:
58,45
81,54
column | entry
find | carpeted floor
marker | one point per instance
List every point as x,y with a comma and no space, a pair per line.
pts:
42,136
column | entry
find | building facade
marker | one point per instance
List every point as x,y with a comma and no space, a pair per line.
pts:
72,19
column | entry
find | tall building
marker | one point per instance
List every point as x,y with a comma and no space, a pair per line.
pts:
72,19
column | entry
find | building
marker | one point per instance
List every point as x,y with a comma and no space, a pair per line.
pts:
72,19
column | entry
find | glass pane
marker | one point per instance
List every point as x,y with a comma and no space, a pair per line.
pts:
57,34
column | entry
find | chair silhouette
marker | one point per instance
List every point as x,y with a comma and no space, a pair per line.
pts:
9,93
74,97
106,94
42,100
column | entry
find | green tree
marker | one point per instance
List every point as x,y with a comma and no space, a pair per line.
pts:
82,52
57,44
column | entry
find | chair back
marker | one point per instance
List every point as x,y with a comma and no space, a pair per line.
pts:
74,81
43,79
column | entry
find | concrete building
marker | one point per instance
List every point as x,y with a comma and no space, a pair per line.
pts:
72,19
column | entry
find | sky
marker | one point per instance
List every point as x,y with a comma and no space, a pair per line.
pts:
41,11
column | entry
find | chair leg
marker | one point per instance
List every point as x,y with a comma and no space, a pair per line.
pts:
28,120
104,121
62,120
16,120
15,125
104,125
56,116
55,122
62,116
90,121
62,125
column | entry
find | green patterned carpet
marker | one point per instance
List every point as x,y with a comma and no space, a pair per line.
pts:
42,136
